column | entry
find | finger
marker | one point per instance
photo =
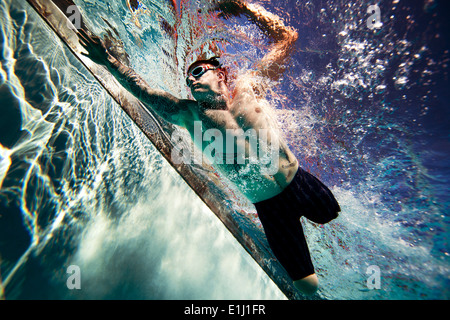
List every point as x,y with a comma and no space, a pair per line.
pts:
85,38
95,39
82,37
81,34
88,38
84,33
83,43
90,35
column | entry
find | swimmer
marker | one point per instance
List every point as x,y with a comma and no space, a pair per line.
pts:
280,197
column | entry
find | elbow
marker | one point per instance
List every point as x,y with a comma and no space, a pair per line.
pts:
293,35
289,36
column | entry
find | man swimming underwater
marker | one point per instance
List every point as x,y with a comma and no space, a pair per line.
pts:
280,197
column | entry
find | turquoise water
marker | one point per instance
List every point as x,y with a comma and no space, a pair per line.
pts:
365,111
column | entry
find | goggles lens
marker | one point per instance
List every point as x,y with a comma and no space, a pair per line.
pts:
198,72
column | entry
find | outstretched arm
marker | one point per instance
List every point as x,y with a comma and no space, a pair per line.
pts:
164,104
284,37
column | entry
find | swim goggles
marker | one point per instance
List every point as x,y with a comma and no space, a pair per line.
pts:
197,72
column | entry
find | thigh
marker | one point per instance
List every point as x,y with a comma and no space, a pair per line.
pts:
285,235
315,200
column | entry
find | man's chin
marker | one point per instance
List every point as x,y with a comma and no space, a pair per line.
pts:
199,94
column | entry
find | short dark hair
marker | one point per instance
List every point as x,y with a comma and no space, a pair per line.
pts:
214,61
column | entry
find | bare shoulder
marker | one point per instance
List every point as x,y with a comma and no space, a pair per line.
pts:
186,112
251,83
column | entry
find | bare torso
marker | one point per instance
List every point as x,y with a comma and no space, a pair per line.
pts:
243,112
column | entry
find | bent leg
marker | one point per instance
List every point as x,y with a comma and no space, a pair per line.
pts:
284,233
317,202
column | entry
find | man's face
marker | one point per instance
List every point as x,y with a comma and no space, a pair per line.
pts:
206,85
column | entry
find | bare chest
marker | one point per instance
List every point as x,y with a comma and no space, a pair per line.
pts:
244,113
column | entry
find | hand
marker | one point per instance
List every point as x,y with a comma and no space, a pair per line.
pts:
230,8
94,46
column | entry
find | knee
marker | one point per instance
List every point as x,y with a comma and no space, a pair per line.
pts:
326,217
307,285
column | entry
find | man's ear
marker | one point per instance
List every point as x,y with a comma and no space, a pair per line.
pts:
221,75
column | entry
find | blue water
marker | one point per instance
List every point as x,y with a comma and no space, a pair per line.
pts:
364,110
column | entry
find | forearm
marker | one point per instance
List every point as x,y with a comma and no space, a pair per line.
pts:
269,23
160,101
134,83
163,103
283,37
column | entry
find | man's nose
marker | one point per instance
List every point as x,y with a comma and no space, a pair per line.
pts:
191,78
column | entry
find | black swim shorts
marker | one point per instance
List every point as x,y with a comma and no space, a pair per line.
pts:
280,218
